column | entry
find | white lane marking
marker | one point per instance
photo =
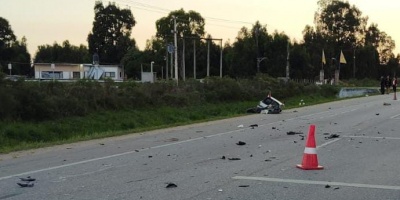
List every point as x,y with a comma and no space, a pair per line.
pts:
112,156
309,182
372,137
328,143
395,116
155,147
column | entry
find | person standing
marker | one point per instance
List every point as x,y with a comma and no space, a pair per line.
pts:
387,84
394,83
382,85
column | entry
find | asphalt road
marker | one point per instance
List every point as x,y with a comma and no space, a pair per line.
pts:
362,163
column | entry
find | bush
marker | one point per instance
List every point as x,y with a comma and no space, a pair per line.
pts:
41,101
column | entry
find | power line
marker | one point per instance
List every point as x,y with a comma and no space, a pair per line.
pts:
157,9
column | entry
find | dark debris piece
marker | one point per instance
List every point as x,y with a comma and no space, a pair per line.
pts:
241,143
253,126
171,185
28,184
28,179
223,158
293,133
244,185
327,186
331,136
233,158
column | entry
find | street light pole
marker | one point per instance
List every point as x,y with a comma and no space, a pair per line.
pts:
176,50
52,67
258,53
259,60
151,71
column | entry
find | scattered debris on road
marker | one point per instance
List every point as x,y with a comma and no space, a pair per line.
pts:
240,143
253,126
327,186
240,126
171,185
234,159
29,184
293,133
331,136
244,185
301,137
28,179
386,104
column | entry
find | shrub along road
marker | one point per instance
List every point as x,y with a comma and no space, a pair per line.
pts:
204,161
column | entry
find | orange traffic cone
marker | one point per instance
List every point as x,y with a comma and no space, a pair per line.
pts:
310,159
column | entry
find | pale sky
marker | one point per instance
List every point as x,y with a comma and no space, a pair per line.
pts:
48,21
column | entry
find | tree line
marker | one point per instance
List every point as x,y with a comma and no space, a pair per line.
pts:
338,27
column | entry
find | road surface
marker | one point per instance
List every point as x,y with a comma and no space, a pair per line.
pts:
362,163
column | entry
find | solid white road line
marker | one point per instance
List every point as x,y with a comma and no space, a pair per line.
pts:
309,182
371,137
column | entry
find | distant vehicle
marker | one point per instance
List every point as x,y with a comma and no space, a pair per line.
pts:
269,104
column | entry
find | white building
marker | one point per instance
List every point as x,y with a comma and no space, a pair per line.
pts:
66,71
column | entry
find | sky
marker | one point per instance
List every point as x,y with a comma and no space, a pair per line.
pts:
48,21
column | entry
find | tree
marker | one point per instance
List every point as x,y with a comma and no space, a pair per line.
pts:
255,48
21,58
341,23
13,51
188,24
341,27
66,53
7,36
189,28
110,36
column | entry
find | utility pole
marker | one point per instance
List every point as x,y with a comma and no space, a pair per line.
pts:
183,60
166,61
287,62
208,57
10,67
354,63
258,52
194,59
220,62
53,66
176,50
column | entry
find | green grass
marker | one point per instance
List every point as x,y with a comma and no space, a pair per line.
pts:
27,135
